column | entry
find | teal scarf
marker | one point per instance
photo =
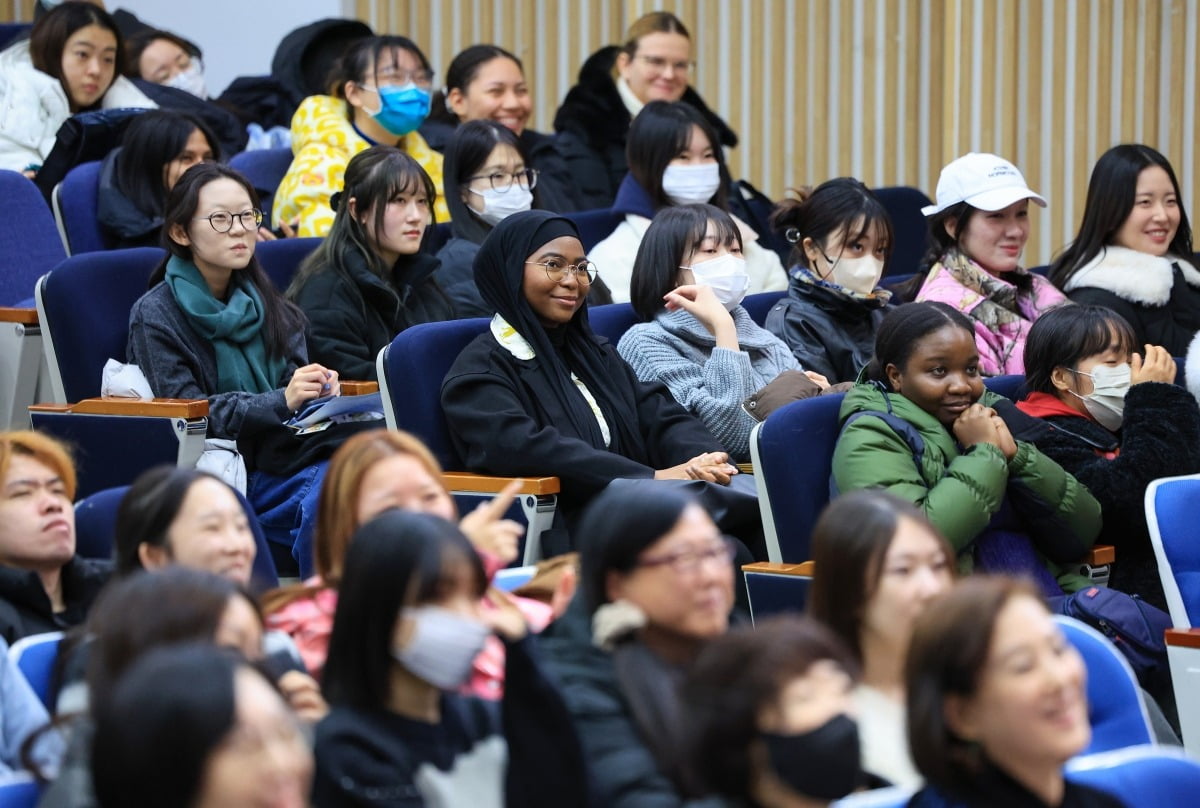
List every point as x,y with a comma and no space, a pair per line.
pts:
234,328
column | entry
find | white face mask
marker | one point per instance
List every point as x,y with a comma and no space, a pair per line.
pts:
190,80
1106,402
499,205
726,276
442,647
859,275
692,184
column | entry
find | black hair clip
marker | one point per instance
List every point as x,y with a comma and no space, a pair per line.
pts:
335,200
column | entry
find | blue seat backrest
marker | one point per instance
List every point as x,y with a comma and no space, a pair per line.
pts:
910,228
19,791
87,299
414,365
612,320
1141,775
281,258
78,206
595,226
1174,530
1011,387
1114,704
29,242
11,30
265,168
35,656
758,305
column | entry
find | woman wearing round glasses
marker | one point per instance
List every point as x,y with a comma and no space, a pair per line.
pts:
368,280
379,95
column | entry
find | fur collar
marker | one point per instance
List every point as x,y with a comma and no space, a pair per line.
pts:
1134,276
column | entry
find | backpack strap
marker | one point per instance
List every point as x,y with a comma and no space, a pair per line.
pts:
903,428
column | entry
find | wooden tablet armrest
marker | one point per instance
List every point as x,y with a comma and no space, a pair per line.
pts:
350,388
1183,637
483,484
803,569
158,407
10,314
1101,554
745,468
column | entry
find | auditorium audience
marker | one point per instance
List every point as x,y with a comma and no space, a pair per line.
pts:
369,279
841,241
1113,419
69,64
1001,503
978,227
675,159
654,64
378,95
1133,252
996,701
879,563
689,279
407,628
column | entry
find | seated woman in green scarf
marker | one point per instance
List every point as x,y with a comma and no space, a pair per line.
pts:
213,326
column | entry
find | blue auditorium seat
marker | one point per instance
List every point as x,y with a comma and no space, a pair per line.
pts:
35,656
612,320
281,258
758,305
595,226
1172,505
76,208
910,228
265,168
1140,776
29,242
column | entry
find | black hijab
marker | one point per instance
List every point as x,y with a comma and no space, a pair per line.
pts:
573,348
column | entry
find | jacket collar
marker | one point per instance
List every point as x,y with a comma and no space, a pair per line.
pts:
684,325
633,198
1045,405
1134,276
406,276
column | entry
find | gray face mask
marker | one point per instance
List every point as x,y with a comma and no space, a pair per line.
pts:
190,80
1106,402
442,647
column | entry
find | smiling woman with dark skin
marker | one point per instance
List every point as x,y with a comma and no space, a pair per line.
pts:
925,381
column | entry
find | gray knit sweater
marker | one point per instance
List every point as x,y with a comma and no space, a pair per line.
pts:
711,382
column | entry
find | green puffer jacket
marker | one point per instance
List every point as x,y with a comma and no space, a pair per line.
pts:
960,491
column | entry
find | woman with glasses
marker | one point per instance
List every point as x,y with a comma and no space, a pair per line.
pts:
538,393
379,95
654,64
368,280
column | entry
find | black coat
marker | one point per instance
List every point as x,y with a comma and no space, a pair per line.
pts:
123,223
592,126
456,276
1160,437
1172,326
25,608
829,332
353,314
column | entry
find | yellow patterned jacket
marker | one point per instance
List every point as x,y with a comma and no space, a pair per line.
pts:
323,141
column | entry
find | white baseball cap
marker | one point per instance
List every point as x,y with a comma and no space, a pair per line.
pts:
983,181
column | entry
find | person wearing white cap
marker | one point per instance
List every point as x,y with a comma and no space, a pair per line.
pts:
979,226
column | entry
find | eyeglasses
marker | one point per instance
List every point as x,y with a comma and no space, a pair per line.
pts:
400,76
660,65
222,221
686,562
585,271
502,181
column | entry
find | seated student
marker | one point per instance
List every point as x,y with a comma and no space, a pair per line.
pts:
688,283
879,564
369,280
69,64
997,701
979,227
1133,253
1000,502
407,628
213,326
539,393
654,64
368,474
379,94
44,586
191,725
657,583
487,83
675,159
772,715
842,239
1115,421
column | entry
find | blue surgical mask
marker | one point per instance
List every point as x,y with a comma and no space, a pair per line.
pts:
401,109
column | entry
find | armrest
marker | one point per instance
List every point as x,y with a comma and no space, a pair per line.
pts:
479,483
1183,637
804,569
350,388
1101,554
9,314
745,468
156,407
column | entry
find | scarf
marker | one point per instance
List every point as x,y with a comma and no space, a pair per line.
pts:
806,275
234,328
1002,301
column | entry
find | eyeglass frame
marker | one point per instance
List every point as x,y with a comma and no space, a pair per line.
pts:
686,562
399,78
258,219
660,64
587,279
530,173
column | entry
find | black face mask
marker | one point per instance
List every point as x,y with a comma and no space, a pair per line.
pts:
822,763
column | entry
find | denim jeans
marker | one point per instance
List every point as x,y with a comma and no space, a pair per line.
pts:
287,509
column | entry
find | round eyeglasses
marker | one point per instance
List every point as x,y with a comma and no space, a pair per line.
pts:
585,271
502,181
222,221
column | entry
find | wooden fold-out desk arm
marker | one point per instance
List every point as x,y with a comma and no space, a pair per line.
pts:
351,388
155,407
1183,637
483,484
9,314
1101,554
803,569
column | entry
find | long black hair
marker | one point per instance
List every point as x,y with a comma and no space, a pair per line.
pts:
831,210
1066,335
467,152
151,141
463,69
657,135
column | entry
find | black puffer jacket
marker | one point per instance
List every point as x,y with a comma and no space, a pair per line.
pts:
592,125
123,223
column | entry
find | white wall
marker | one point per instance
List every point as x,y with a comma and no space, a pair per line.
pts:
238,37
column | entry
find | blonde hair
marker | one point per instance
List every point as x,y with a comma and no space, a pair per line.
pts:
656,22
46,450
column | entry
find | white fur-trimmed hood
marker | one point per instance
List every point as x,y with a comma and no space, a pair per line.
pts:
1134,276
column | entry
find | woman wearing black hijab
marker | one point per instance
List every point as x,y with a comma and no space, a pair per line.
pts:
539,393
